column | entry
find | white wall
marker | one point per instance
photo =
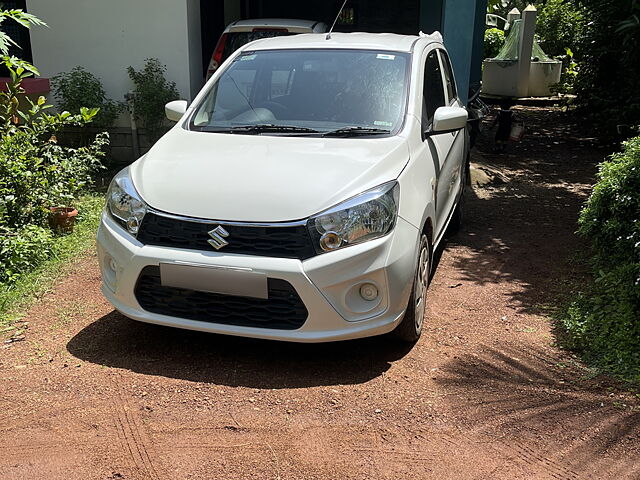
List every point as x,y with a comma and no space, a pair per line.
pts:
106,36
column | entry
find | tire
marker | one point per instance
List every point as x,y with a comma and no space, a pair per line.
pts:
410,328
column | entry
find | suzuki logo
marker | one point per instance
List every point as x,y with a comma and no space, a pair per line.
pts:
218,236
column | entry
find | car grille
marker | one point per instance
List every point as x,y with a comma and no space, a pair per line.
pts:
283,242
283,309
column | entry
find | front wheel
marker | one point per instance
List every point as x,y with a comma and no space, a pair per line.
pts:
410,328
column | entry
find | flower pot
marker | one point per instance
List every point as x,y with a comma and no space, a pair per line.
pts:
62,219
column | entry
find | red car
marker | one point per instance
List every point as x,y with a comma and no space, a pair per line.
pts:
242,32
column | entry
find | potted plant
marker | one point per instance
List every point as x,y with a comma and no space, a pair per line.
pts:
62,219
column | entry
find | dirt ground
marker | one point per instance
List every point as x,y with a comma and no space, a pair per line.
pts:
485,393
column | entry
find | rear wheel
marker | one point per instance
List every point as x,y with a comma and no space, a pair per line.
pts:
410,328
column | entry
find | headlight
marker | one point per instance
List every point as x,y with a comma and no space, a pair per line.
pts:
364,217
124,203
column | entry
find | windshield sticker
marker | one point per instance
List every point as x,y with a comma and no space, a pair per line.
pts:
247,57
384,56
380,123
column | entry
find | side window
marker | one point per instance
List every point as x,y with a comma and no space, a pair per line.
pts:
449,81
433,89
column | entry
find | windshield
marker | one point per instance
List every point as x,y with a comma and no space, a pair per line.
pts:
308,91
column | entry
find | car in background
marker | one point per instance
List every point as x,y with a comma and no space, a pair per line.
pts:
242,32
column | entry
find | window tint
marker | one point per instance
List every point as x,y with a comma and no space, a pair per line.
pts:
450,84
433,88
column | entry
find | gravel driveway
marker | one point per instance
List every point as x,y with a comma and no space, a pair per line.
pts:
485,394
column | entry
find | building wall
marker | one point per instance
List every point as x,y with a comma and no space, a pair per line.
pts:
106,37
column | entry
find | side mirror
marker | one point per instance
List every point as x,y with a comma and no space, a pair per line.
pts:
175,110
448,119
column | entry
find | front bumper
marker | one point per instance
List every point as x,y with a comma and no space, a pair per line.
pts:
327,284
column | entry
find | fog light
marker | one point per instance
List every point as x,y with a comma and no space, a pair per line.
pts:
133,225
369,292
112,265
330,241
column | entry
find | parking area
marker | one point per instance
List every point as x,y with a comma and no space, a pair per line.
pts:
484,394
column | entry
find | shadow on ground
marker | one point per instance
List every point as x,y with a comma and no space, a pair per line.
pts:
116,341
520,229
517,395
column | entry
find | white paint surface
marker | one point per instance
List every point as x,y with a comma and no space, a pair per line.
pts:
106,37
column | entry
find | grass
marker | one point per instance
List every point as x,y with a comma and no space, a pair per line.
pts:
16,298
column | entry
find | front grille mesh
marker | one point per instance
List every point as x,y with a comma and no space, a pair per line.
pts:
282,242
283,309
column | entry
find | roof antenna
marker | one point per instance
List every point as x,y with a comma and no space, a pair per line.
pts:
328,37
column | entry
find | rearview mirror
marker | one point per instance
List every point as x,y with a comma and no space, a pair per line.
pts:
448,119
175,110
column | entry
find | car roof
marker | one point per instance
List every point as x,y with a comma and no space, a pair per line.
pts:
242,25
361,41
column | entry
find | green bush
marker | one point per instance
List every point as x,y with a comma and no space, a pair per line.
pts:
23,250
35,172
605,321
152,92
559,25
79,88
493,41
609,59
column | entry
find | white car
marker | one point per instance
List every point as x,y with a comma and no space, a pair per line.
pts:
242,32
299,197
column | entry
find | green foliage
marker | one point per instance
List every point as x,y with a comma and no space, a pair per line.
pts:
559,25
569,74
35,172
152,92
17,294
79,88
607,86
605,322
23,18
493,41
23,250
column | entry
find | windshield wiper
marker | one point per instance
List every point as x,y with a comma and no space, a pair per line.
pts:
259,128
353,131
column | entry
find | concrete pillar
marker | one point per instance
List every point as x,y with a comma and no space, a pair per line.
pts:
477,54
513,15
527,31
459,32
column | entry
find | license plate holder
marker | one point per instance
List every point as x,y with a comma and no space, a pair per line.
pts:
240,282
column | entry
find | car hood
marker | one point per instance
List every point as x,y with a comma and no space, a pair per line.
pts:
260,178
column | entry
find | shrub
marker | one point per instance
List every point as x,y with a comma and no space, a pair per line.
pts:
609,58
605,321
152,92
36,172
559,25
23,250
79,88
493,41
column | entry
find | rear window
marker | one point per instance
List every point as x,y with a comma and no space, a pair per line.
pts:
235,40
